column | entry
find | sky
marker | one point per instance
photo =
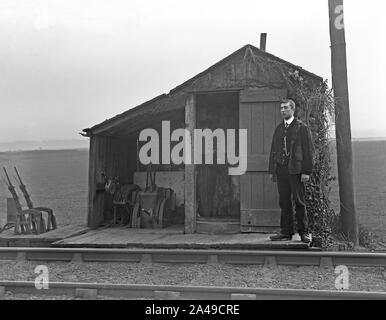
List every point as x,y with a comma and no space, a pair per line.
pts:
68,65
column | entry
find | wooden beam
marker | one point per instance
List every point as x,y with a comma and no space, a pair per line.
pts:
220,90
262,95
95,207
190,170
93,152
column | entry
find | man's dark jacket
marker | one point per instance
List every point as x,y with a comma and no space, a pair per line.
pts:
300,146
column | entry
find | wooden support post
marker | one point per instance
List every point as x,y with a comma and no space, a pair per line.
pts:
94,208
91,181
342,122
190,170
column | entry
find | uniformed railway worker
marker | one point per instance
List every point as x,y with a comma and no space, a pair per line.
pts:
290,165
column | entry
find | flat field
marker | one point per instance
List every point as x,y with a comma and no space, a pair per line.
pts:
58,179
54,178
369,161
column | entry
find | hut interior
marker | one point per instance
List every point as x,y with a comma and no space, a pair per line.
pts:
218,193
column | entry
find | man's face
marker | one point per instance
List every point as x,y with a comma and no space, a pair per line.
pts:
286,111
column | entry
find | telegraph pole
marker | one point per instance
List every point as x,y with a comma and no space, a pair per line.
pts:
348,216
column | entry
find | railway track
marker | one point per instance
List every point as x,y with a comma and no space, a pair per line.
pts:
270,258
93,290
243,257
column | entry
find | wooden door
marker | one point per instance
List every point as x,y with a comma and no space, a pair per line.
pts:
259,204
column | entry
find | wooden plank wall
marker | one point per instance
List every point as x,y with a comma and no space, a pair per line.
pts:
95,203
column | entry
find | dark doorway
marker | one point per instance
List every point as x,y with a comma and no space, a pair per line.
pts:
218,193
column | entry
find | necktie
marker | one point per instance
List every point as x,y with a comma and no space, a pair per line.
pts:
286,154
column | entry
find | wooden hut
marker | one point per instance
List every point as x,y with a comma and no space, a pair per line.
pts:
242,91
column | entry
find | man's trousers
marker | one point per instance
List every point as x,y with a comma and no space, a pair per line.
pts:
290,186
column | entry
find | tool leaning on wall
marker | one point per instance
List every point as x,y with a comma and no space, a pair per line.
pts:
27,220
51,220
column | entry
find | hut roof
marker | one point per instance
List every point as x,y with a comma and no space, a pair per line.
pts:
168,103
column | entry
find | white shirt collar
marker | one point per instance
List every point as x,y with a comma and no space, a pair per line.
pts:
289,121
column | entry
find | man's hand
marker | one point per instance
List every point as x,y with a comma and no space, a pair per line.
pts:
305,178
273,178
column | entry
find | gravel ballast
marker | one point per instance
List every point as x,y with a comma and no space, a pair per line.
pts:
219,275
12,296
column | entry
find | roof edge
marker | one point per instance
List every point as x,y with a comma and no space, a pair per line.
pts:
224,60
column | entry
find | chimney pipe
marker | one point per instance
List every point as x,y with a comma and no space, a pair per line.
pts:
263,41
